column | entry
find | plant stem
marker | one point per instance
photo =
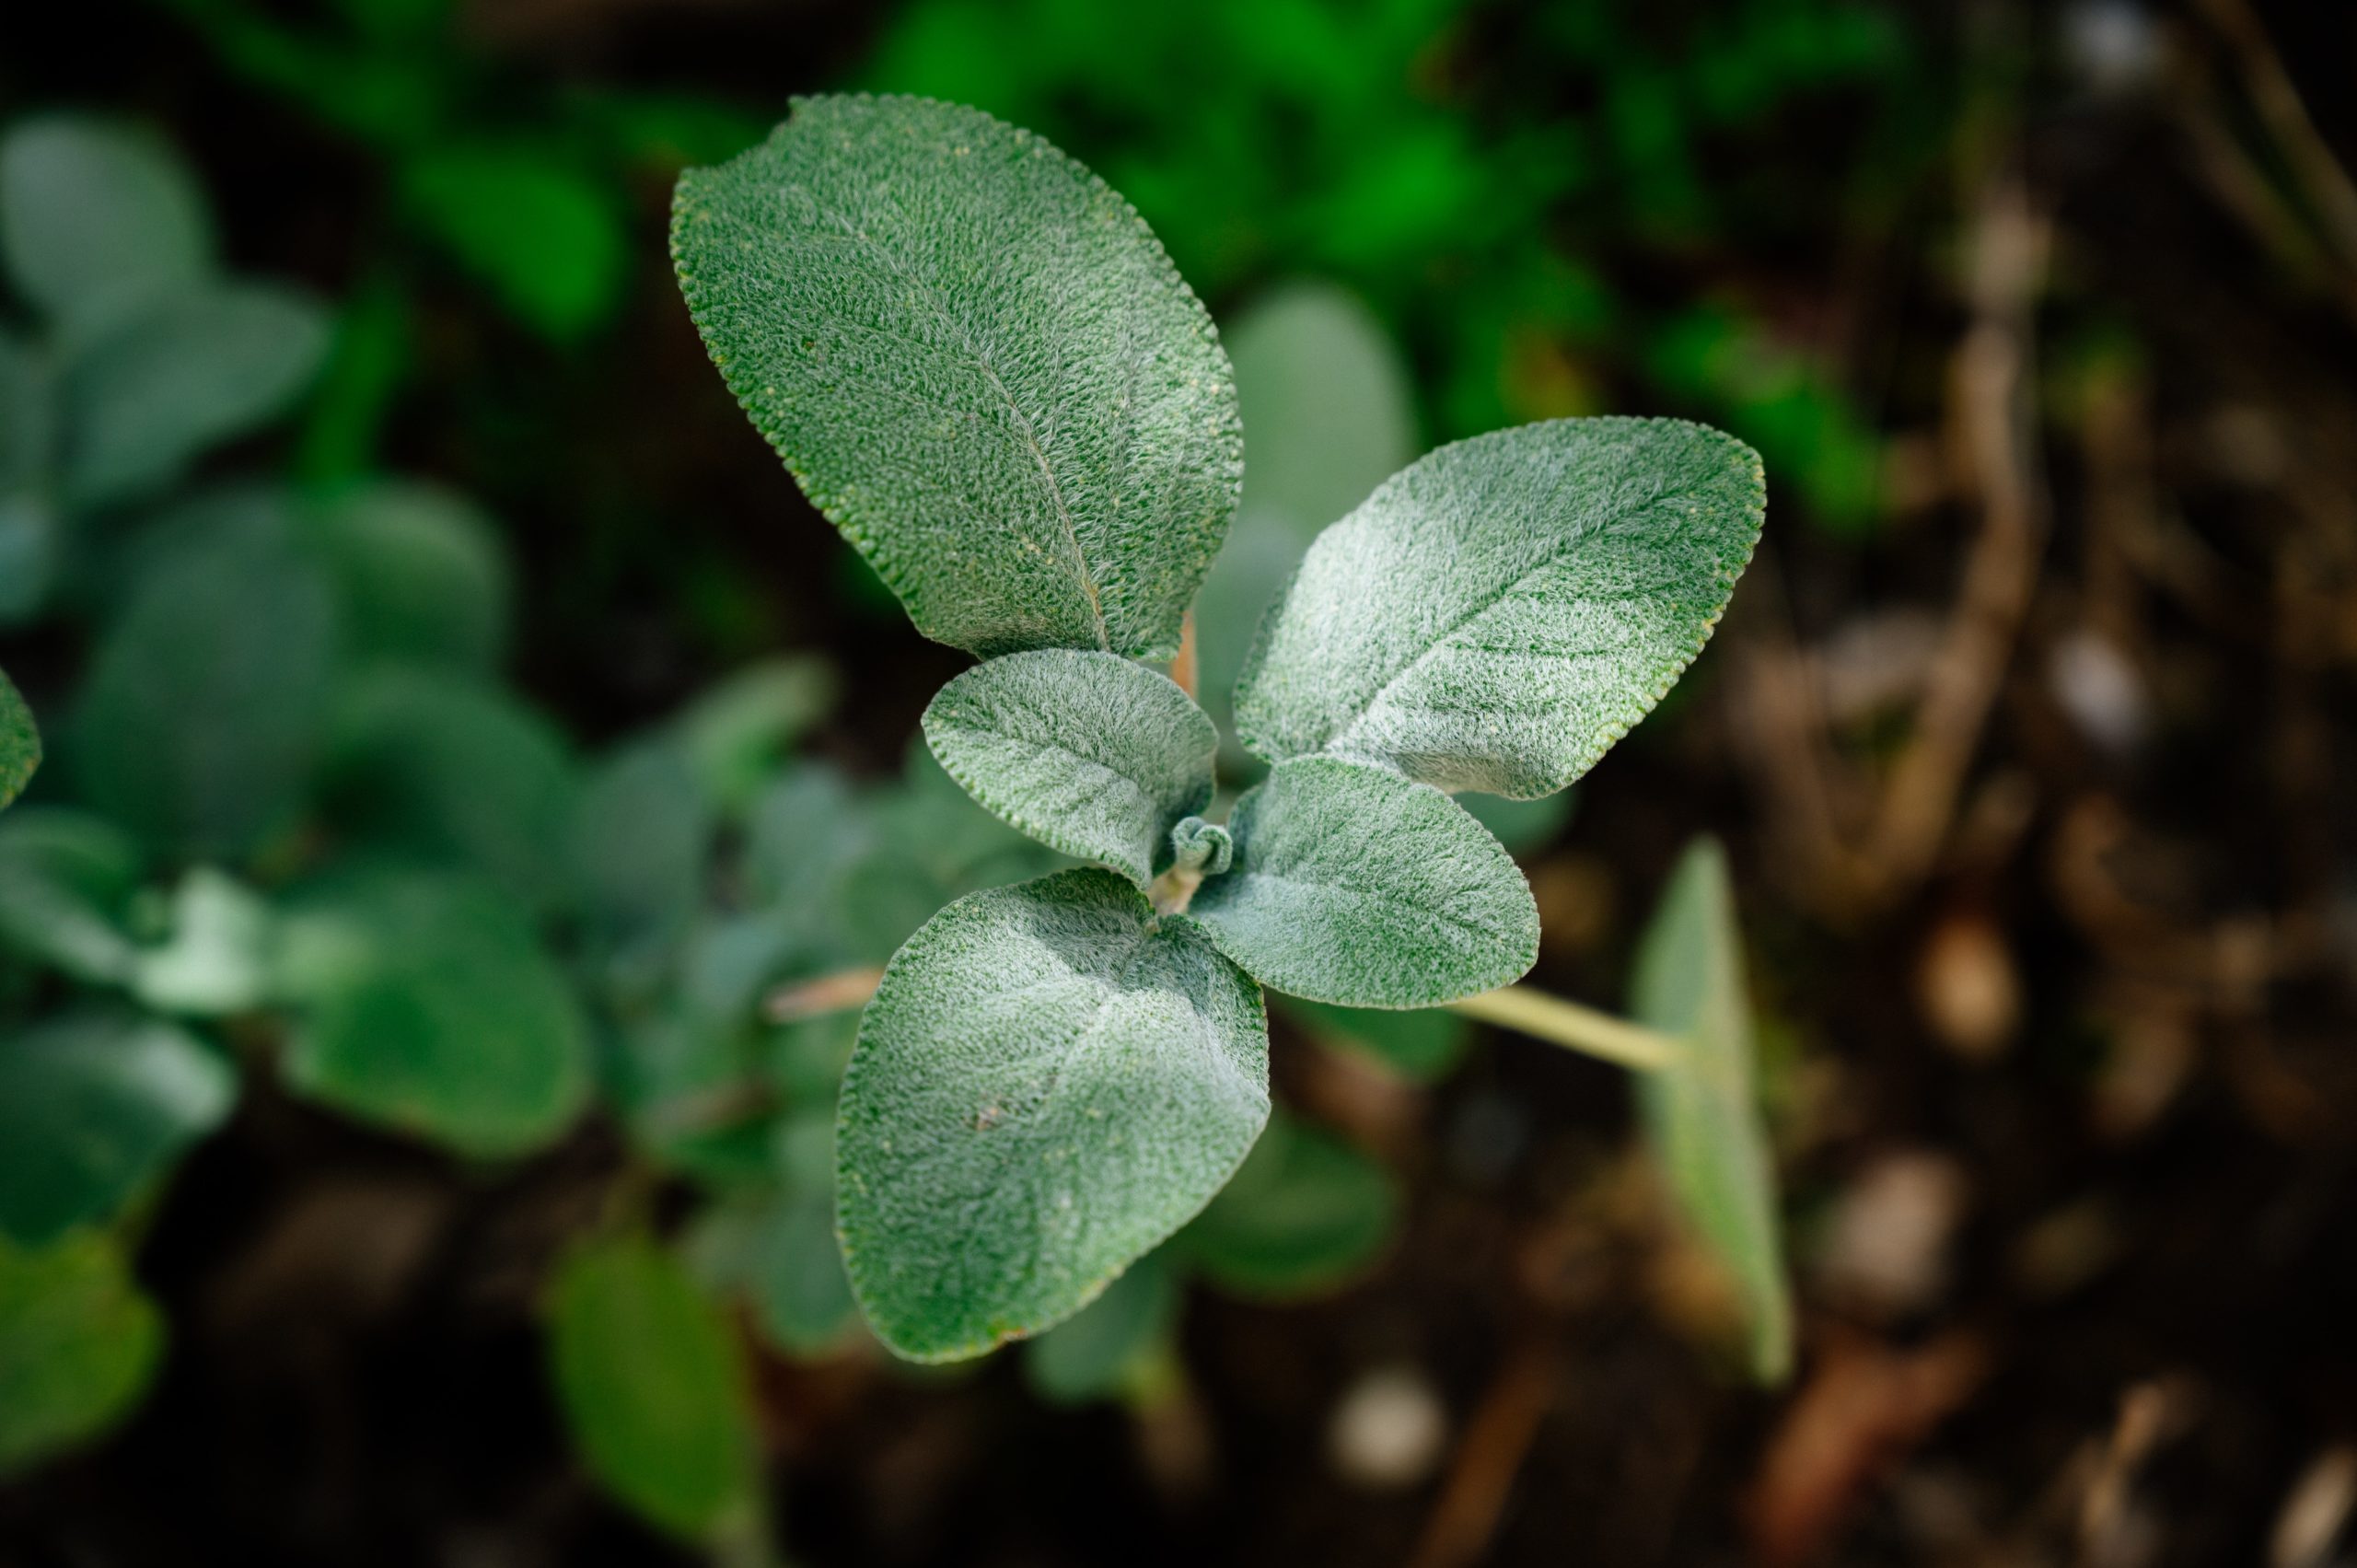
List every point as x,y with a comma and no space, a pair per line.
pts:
1530,1011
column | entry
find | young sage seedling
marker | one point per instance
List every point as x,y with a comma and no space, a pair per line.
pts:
980,364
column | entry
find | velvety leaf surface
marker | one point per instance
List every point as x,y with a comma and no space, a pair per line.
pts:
429,1006
93,1106
1354,886
652,1384
1703,1114
979,363
1498,613
79,1344
1090,754
1112,1344
19,742
180,375
96,219
1306,1214
1047,1085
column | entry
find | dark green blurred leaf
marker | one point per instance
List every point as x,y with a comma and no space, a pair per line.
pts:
202,716
642,840
1703,1114
94,1107
367,362
546,238
422,575
1420,1043
428,1006
1522,825
19,742
79,1344
1306,1214
183,373
98,219
67,880
736,735
442,768
1113,1345
654,1387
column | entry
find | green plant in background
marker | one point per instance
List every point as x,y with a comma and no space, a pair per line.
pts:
978,362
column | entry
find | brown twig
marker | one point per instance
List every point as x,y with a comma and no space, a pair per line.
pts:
1182,669
837,993
1490,1455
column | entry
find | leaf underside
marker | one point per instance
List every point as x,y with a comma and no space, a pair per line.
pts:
1500,612
1702,1114
1048,1082
1354,886
978,362
1090,754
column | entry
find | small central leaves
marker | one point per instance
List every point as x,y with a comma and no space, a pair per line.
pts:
1198,845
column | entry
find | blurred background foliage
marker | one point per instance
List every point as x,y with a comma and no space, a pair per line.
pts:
469,765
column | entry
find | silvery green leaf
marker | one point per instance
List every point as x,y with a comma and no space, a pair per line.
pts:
219,956
1111,1345
79,1344
66,882
979,363
94,1107
441,766
162,385
428,1005
1331,415
421,575
1048,1082
96,219
1354,886
1703,1113
1500,612
202,715
19,742
1306,1214
654,1386
1090,754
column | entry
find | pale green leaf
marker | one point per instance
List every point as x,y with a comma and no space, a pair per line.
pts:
1306,1215
1354,886
1090,754
1111,1345
1328,414
202,716
1500,612
96,219
1048,1082
19,742
220,955
428,1006
979,363
163,385
66,883
422,575
78,1344
441,766
94,1107
654,1387
1703,1114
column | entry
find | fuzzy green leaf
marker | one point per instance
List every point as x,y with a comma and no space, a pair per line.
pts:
1354,886
1048,1082
93,1106
978,362
96,219
161,386
429,1006
19,742
79,1344
654,1386
1090,754
1703,1113
1306,1214
1500,612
